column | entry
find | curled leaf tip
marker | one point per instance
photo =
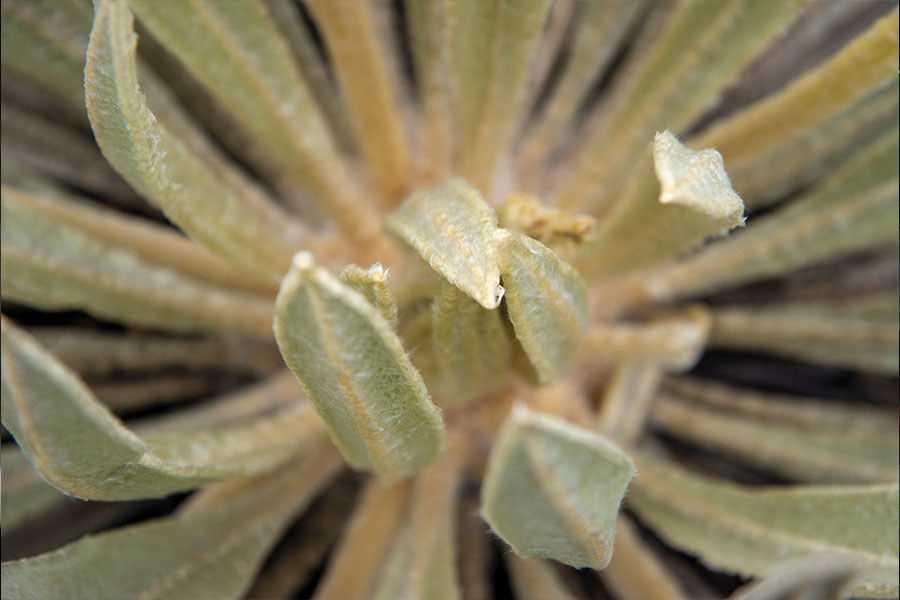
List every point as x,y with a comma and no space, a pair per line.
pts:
695,179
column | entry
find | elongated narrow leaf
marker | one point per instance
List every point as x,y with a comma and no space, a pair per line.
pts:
693,201
536,579
366,542
830,92
818,577
753,531
427,23
674,342
236,52
806,450
43,43
471,349
423,561
354,369
149,241
701,47
553,490
102,353
364,73
213,549
832,334
25,494
600,29
452,227
82,449
491,44
636,571
54,266
546,299
237,221
628,399
372,284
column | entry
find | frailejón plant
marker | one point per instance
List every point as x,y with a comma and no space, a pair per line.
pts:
523,261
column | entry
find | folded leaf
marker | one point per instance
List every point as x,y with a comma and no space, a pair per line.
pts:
553,490
753,531
693,201
354,369
372,284
55,266
238,221
85,451
452,228
213,549
546,300
470,347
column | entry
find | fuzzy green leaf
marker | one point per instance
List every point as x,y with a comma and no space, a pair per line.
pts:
82,449
213,548
238,221
553,490
470,347
546,300
54,265
372,284
353,367
452,227
753,531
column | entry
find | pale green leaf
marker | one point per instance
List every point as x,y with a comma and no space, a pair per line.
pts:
817,577
95,353
636,571
423,562
365,544
213,549
828,444
235,50
674,342
842,98
82,449
43,42
452,227
238,221
833,333
372,283
353,367
471,349
536,579
552,490
25,494
364,73
752,531
431,55
491,44
546,300
682,68
53,265
693,201
599,30
628,399
854,208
